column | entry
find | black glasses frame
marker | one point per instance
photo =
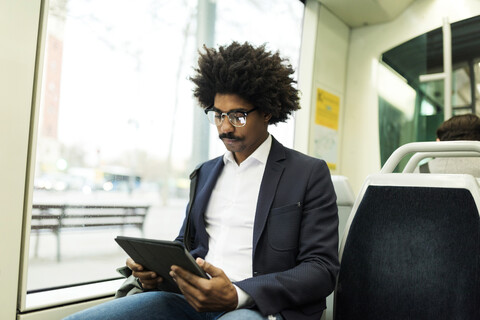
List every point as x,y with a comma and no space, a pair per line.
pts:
230,115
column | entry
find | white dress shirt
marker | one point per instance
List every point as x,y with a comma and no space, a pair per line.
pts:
231,213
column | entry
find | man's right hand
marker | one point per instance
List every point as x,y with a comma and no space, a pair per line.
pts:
148,279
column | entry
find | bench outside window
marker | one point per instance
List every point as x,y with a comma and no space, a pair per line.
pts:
57,217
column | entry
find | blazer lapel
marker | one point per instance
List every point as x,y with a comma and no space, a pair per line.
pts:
273,171
205,188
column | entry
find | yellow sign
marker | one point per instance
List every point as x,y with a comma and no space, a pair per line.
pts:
331,166
327,109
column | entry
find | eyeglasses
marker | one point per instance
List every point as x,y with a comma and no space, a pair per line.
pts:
236,118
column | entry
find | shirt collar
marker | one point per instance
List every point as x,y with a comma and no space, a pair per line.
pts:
260,154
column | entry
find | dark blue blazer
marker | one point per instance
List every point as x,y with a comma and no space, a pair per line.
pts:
295,238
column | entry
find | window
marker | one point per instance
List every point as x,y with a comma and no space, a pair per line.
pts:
118,128
410,110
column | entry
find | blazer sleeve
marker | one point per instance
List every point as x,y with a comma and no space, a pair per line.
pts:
305,274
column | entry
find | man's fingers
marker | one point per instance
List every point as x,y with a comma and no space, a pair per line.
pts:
178,273
190,283
148,279
216,293
209,268
192,294
145,275
133,265
150,283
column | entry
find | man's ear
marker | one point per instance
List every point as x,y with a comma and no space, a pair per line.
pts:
267,117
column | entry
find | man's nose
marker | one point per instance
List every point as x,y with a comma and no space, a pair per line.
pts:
226,126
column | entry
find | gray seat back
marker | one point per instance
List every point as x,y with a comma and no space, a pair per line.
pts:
411,250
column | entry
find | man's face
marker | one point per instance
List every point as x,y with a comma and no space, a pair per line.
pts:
241,141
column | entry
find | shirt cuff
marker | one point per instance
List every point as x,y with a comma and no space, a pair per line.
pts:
244,299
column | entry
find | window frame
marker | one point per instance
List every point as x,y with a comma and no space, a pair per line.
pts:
25,114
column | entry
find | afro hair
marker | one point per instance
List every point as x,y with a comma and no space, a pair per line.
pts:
260,77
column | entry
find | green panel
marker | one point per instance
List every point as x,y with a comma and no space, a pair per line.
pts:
395,130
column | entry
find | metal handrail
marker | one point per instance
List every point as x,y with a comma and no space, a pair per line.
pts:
428,149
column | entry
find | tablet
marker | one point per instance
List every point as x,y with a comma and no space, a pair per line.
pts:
159,256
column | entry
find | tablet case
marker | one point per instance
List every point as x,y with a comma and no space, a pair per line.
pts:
159,256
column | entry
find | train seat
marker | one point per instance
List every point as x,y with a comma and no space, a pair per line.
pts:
345,200
411,249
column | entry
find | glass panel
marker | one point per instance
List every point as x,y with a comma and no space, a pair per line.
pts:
116,142
396,110
461,95
476,87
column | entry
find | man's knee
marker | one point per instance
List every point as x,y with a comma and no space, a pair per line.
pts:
138,306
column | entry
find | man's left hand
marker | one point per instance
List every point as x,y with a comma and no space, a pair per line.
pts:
215,294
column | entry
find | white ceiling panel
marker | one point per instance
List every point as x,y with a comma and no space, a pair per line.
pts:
357,13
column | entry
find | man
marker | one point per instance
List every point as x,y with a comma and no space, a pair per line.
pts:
461,127
264,220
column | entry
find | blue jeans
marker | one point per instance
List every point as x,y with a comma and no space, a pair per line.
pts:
159,305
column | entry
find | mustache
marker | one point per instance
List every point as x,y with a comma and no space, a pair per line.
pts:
228,135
